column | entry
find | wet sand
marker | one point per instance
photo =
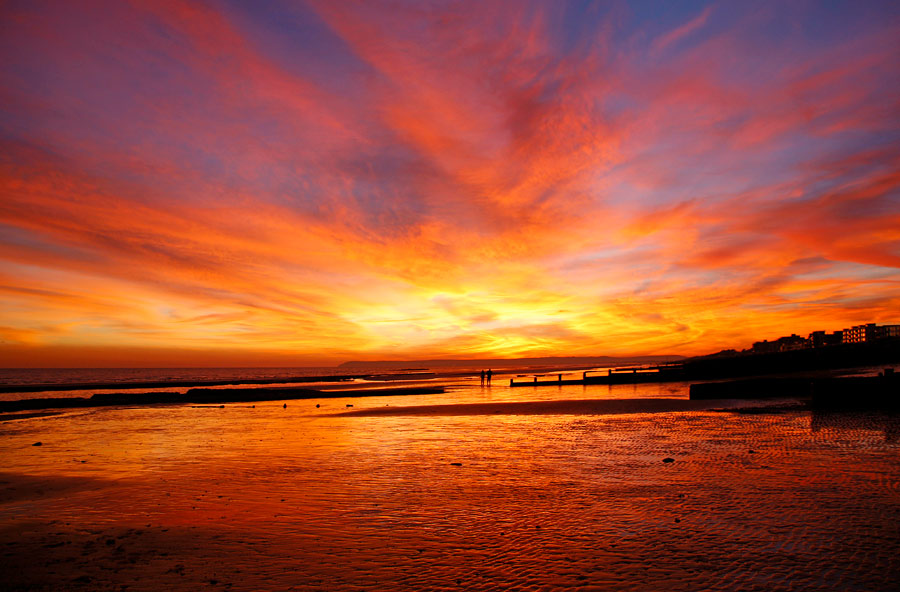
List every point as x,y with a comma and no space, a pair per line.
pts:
306,498
566,407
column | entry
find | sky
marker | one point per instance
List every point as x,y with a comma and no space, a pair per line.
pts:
305,183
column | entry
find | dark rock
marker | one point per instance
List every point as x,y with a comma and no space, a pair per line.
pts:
678,520
317,405
456,464
38,444
668,459
349,405
752,451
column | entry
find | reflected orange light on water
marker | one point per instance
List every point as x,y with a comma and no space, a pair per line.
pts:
273,497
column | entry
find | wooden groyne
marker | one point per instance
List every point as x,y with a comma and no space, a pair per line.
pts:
147,384
667,373
207,397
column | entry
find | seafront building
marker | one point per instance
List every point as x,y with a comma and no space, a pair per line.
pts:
824,339
866,333
781,344
860,333
870,332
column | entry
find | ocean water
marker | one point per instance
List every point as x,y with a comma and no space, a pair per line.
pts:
126,375
462,382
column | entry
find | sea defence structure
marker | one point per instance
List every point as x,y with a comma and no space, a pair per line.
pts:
850,392
847,355
90,386
208,397
663,373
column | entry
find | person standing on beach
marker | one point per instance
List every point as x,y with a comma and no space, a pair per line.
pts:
489,374
482,378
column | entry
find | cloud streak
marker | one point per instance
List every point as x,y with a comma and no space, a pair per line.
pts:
323,181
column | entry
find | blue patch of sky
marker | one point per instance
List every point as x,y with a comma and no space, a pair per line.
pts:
664,16
296,39
95,92
827,23
577,24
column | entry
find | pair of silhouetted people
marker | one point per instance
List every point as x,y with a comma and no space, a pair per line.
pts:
486,376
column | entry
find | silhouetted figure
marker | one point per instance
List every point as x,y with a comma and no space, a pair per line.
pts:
490,373
482,378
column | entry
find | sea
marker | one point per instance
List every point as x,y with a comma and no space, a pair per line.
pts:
125,375
63,382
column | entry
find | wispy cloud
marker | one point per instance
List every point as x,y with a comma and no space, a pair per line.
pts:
321,181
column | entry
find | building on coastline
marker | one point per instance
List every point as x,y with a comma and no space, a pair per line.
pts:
859,333
825,339
887,332
866,333
870,332
781,344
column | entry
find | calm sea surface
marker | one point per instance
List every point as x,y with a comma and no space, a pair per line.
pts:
121,377
125,375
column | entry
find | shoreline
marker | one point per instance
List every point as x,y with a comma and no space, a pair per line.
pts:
207,396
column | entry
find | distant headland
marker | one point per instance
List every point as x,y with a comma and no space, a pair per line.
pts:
514,363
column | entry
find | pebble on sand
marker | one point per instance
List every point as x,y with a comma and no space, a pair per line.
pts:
668,459
456,464
38,444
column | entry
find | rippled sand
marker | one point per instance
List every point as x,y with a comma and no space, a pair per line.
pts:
265,498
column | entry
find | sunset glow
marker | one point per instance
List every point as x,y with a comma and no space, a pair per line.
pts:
305,183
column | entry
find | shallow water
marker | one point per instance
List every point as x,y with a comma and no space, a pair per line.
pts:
268,497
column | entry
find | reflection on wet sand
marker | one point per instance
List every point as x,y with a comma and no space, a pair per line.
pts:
847,422
565,407
277,498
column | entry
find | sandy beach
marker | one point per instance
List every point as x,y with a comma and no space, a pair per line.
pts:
495,494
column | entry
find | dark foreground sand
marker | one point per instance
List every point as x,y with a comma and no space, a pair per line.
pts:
536,497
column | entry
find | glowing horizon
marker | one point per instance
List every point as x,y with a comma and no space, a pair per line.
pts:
309,183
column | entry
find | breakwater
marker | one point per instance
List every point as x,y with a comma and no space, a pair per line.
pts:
148,384
207,396
743,365
666,373
852,392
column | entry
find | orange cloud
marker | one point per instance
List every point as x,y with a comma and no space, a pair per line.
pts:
347,181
